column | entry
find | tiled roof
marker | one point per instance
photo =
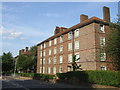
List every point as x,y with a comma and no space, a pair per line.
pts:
84,23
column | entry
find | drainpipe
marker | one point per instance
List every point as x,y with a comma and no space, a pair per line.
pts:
42,55
72,44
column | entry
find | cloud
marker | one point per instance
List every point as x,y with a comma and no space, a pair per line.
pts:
10,34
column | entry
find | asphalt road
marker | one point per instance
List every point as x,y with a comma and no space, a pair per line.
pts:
29,84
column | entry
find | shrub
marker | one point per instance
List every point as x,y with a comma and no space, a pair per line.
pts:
109,78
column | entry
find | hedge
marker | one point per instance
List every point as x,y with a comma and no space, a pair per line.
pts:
109,78
39,76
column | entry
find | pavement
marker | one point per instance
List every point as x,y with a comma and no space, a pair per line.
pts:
23,83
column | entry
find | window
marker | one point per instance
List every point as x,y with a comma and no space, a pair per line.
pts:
76,32
61,39
50,52
76,45
49,70
49,60
69,57
44,61
60,69
55,50
103,68
55,41
69,46
50,43
40,61
41,46
54,70
44,45
40,69
44,53
43,69
77,56
61,59
102,29
69,69
70,35
102,56
61,49
54,60
102,41
41,53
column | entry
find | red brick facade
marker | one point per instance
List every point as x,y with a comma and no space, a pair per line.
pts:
86,40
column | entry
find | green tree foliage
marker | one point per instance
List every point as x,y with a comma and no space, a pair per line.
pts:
22,63
75,66
28,62
113,44
7,62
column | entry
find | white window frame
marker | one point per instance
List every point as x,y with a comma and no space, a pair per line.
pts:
105,68
102,56
40,53
61,48
102,28
40,69
61,59
55,50
44,54
55,41
77,45
40,61
44,70
77,56
60,69
54,70
70,57
50,43
54,60
76,33
61,39
43,60
41,46
50,51
44,45
70,35
102,41
69,46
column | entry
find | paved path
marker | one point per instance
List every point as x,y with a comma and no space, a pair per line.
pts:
29,84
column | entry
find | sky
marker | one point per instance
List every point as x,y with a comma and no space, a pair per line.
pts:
25,24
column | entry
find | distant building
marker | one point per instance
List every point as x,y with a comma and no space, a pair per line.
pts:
85,40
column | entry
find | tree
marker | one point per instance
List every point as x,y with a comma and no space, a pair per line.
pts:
28,62
32,58
113,44
75,66
7,62
22,63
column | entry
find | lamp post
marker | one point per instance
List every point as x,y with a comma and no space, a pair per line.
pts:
15,61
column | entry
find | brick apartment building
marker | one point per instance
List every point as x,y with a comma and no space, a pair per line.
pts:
85,40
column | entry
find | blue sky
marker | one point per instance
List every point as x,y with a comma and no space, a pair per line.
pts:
28,23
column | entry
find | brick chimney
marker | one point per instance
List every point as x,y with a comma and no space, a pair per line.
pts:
83,17
106,14
19,52
26,49
22,51
59,29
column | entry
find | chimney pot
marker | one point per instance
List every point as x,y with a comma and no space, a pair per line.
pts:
83,17
26,49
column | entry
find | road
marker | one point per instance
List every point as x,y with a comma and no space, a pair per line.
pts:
15,83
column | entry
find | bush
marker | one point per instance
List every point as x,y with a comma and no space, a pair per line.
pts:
38,76
109,78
